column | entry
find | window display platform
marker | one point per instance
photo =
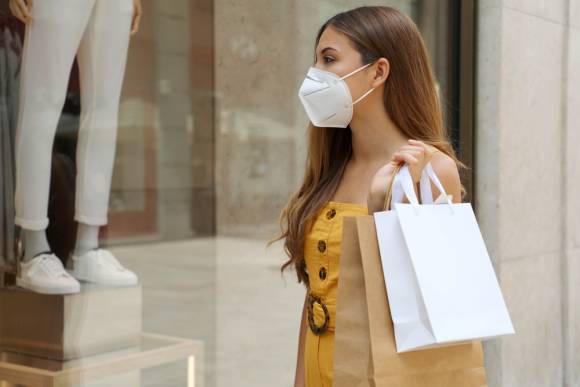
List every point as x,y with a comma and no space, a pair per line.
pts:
116,368
98,319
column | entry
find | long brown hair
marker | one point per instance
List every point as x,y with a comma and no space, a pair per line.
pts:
410,98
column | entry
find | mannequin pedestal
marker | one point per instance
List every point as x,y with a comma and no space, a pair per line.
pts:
64,327
88,339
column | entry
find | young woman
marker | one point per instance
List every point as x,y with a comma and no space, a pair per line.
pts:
372,102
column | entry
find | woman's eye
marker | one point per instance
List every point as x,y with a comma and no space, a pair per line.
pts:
328,59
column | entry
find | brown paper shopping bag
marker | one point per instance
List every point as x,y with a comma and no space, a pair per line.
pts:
364,345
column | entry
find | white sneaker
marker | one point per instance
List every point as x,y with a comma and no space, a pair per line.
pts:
100,266
45,274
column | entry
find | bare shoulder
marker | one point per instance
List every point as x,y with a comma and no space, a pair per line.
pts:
446,170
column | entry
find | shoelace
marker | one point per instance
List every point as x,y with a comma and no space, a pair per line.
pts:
52,265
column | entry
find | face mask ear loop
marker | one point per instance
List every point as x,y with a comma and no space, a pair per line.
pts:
357,70
362,96
354,72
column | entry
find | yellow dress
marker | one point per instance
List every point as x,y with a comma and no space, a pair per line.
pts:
321,253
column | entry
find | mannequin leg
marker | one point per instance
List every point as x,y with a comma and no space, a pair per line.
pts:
50,44
87,238
35,242
102,58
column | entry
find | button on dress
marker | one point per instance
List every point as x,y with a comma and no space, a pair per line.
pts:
321,254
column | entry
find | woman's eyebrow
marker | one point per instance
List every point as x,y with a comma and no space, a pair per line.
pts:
326,49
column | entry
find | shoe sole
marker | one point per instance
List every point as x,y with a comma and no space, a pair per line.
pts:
81,275
39,289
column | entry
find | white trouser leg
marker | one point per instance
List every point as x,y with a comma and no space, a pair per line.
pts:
50,44
102,56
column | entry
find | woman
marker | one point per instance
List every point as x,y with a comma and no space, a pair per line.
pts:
372,102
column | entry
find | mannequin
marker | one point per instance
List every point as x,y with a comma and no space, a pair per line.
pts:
98,32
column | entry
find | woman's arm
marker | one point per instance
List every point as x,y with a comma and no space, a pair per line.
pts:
299,378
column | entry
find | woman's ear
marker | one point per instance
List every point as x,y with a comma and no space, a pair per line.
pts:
382,68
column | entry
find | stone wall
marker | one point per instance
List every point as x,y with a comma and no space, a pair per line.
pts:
528,183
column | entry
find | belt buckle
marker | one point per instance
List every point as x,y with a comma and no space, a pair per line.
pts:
317,330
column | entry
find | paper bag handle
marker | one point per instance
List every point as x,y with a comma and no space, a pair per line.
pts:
389,194
404,181
427,176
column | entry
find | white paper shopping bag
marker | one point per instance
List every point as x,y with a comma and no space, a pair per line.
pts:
441,285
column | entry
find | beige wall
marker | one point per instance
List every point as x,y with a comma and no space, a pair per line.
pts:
263,50
528,183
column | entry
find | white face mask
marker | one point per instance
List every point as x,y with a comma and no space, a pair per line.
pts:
327,99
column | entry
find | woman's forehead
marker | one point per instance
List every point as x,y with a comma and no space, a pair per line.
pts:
333,39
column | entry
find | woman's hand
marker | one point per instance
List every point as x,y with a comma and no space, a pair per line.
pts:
416,154
137,11
21,9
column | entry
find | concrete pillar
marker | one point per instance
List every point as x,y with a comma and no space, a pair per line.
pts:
528,184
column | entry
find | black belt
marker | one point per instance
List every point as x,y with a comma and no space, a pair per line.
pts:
317,330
